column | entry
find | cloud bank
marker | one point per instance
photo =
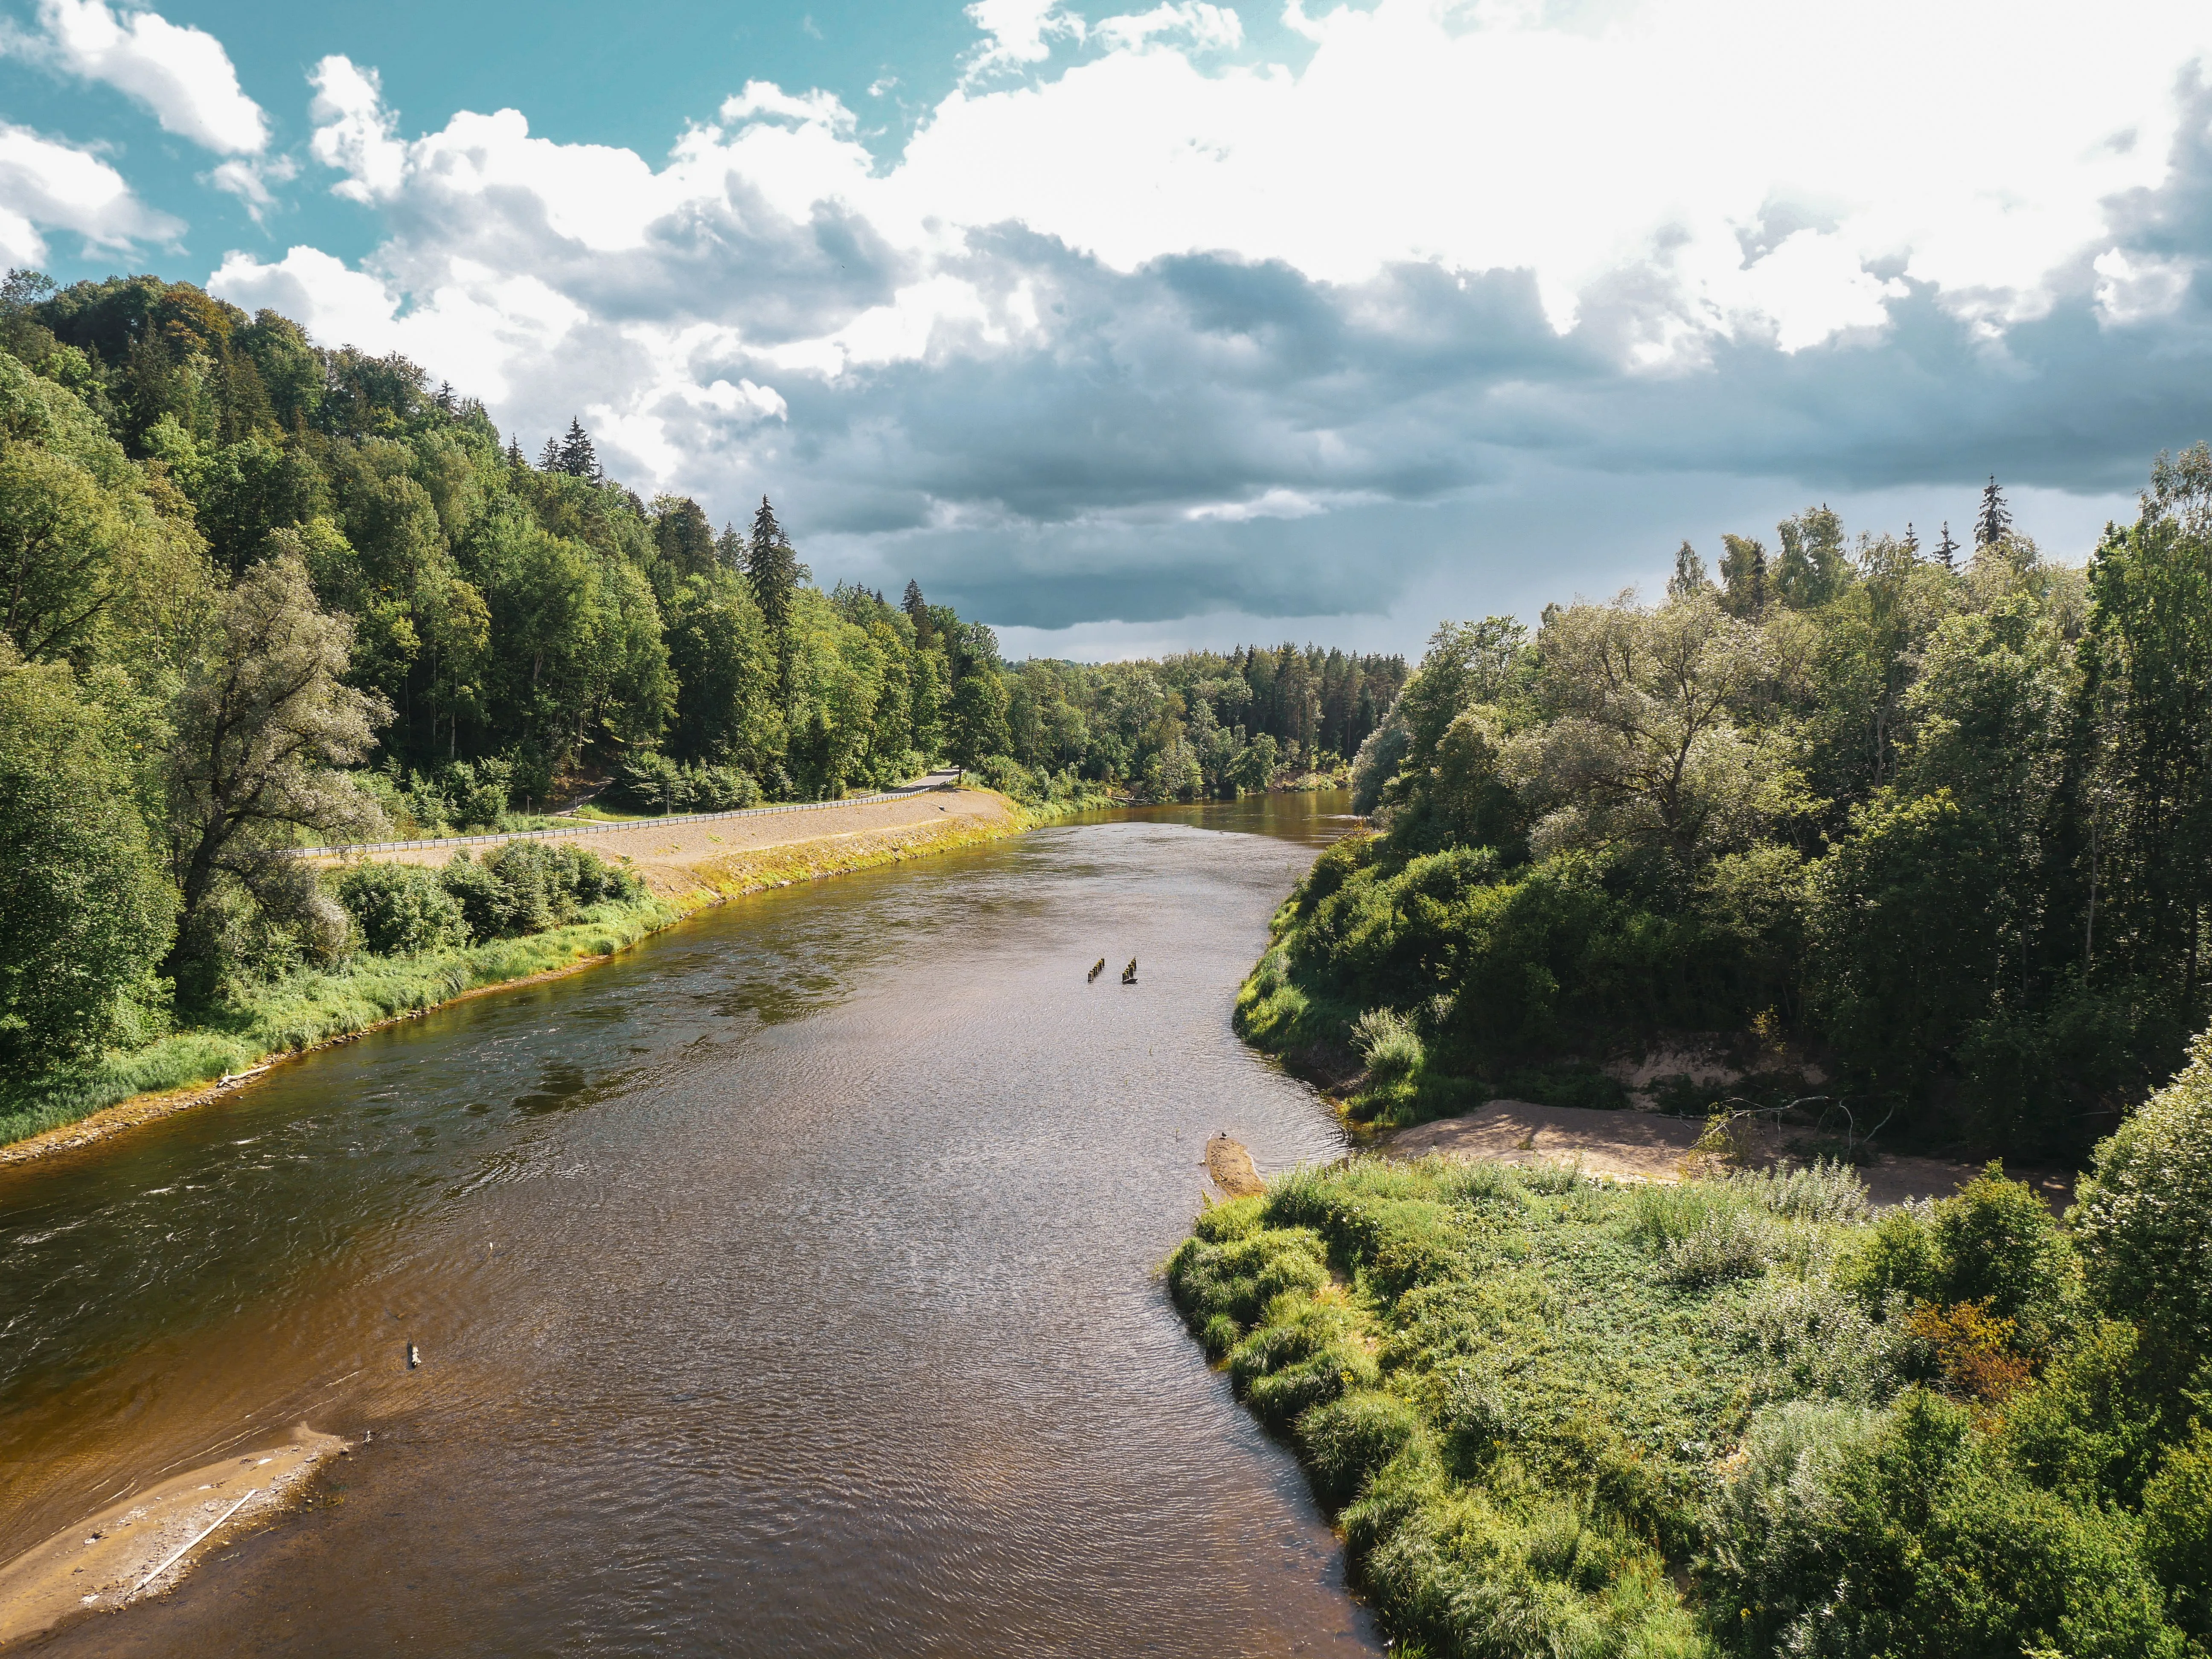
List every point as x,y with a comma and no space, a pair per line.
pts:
1143,325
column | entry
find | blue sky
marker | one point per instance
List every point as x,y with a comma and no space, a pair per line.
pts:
1188,324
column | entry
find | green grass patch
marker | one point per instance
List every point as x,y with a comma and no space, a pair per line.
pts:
1554,1417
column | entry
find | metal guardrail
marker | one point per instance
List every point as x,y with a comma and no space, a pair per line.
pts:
584,829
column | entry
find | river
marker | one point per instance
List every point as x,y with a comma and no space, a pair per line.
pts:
788,1284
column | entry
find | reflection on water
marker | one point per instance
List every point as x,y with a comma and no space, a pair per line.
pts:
787,1285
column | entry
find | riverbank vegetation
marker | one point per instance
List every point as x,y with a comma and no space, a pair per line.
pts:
1745,1416
1936,824
258,593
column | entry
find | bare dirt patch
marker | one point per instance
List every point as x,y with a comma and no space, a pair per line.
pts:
1646,1146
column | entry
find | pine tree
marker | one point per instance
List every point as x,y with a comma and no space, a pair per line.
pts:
577,457
1947,550
774,568
913,604
1995,518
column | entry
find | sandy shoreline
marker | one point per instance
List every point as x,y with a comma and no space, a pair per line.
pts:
1647,1147
109,1560
689,865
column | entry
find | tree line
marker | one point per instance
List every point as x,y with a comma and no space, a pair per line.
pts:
257,593
1943,817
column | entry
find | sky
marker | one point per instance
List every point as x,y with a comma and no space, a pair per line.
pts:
1128,331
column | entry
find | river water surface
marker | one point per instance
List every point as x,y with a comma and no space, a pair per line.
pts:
787,1285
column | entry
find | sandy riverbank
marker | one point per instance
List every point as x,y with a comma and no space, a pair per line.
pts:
685,867
1647,1147
1619,1147
108,1561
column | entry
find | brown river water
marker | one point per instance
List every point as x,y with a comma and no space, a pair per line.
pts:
788,1284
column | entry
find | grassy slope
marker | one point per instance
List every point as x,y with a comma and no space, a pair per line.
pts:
1517,1408
312,1008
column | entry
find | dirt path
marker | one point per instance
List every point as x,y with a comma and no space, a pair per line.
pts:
1646,1146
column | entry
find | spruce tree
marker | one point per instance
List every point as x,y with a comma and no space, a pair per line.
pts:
913,604
1947,550
577,457
1995,518
1911,540
773,568
548,459
514,459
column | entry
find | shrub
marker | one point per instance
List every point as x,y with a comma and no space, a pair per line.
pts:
1386,1041
1810,1339
1350,1439
2143,1217
1823,1191
526,886
2004,1251
2177,1506
1770,1560
482,896
1899,1262
2092,1423
401,909
1729,1245
1901,1535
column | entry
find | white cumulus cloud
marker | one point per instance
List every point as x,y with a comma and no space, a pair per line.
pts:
182,75
45,185
354,132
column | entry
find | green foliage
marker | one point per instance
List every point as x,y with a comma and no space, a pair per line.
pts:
1538,1405
2095,1418
1903,1534
1388,1044
85,913
401,909
2178,1529
1993,1244
1948,829
527,886
2143,1213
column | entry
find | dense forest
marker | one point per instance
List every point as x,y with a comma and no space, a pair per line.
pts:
1936,823
261,593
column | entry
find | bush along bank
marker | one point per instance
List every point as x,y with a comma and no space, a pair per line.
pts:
1435,983
1742,1417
